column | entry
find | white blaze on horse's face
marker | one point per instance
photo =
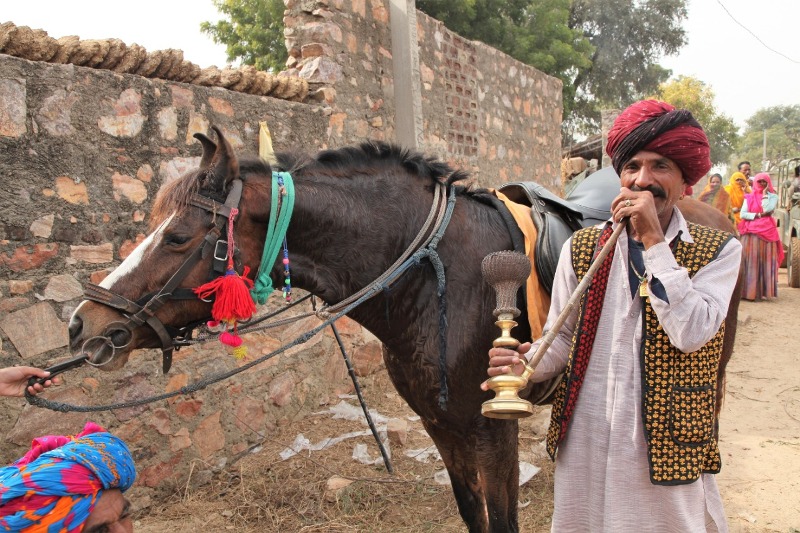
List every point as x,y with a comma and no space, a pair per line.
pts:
135,258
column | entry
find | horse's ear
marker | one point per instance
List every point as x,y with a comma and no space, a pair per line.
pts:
219,164
209,148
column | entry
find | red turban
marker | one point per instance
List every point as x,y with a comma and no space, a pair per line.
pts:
658,127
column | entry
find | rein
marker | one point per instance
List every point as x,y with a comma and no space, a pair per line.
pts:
423,246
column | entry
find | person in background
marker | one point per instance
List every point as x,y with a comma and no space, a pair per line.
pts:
736,190
632,425
744,168
14,379
761,244
715,195
69,484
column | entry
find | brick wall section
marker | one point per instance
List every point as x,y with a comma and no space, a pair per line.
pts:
83,153
482,110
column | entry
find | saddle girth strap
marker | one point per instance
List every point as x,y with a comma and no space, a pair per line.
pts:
584,242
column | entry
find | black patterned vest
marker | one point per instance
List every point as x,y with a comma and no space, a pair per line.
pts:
678,389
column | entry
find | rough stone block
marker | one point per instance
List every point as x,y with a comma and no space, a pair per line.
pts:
209,436
180,440
63,288
20,286
397,431
280,389
128,187
249,415
35,422
14,110
29,257
43,227
368,358
35,330
103,253
72,191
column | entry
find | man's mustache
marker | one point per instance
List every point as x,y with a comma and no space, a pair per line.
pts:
655,190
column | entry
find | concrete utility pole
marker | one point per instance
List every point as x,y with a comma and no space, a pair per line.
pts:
405,60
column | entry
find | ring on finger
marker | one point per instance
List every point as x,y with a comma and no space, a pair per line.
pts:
628,203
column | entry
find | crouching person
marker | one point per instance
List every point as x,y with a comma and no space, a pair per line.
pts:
69,484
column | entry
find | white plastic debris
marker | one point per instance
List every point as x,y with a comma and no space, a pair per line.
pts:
361,454
351,412
442,477
424,455
301,443
526,472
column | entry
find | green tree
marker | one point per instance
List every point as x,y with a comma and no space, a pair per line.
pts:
686,92
254,33
629,37
782,127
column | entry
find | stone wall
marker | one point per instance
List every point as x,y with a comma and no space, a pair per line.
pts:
482,110
83,152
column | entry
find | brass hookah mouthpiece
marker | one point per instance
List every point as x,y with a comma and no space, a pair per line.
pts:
506,272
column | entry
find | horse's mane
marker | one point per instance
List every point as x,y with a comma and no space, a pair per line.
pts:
371,156
368,157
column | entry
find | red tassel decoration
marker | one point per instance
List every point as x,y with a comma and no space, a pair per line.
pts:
231,293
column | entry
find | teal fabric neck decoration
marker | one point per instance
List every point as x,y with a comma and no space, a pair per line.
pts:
280,213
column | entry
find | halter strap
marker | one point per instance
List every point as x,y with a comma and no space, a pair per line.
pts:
137,314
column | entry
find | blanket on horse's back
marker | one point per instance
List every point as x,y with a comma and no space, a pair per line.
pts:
537,298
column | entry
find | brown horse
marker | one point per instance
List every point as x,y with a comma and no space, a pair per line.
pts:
357,210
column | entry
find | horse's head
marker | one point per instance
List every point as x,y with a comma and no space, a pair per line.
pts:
145,301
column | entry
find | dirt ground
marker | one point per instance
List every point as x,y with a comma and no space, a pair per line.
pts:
760,444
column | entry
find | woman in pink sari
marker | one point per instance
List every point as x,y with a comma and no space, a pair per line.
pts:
762,250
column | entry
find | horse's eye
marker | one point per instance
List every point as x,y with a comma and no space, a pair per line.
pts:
173,239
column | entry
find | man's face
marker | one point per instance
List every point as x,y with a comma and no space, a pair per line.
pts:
745,169
649,171
111,514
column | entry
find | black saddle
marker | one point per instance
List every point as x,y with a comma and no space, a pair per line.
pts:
556,218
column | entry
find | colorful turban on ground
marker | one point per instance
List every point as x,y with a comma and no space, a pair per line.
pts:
658,127
55,486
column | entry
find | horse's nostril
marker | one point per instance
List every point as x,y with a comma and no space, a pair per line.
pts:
75,327
120,337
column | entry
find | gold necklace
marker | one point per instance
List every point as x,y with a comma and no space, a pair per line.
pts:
642,280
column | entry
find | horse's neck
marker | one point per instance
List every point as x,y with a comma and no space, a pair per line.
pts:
343,237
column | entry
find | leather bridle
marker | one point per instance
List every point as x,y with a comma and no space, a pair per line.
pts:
144,310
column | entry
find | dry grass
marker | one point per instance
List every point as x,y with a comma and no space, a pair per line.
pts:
261,492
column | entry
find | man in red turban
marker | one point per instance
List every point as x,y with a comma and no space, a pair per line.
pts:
632,429
658,127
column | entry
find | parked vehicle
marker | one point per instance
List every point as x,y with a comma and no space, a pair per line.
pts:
787,215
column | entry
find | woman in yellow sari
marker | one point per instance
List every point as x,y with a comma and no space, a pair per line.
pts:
736,189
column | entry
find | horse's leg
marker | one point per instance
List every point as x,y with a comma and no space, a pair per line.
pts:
498,463
484,474
461,462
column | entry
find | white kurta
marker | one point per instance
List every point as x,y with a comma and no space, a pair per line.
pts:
602,480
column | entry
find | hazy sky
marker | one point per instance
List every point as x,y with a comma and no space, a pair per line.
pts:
744,73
